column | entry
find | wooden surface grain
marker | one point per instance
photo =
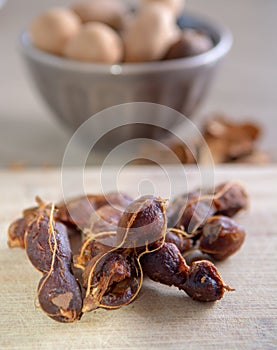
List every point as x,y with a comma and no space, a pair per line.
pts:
161,317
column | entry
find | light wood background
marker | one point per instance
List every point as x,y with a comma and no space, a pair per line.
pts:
161,317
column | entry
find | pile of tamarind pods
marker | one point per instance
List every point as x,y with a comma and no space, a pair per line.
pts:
121,240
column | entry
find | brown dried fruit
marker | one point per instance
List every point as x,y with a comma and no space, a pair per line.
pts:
16,232
118,243
182,243
104,219
201,281
228,199
113,276
143,222
174,209
60,296
112,280
77,211
17,229
204,283
95,245
194,215
48,249
221,237
166,266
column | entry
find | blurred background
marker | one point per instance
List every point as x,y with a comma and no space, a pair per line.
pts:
245,88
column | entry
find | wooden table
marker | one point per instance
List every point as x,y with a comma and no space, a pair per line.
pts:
161,317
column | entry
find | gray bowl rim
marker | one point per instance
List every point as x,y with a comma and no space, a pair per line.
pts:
217,52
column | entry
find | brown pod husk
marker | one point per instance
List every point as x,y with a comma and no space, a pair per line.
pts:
194,214
39,243
77,211
48,248
113,280
16,232
227,199
104,219
95,245
174,209
221,237
17,229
